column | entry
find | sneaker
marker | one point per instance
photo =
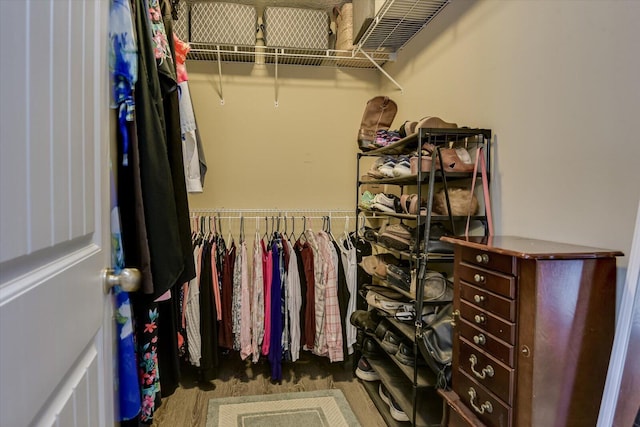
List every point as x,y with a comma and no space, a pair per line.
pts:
387,167
402,167
405,355
365,372
366,200
385,203
384,394
396,413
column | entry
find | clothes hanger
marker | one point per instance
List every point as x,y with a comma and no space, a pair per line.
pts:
241,229
304,227
266,229
345,234
230,238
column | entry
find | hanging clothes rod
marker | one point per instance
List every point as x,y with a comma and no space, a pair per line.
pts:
281,216
271,210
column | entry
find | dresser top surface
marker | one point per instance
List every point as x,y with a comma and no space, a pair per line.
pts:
523,247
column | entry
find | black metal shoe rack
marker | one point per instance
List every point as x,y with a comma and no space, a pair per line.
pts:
414,388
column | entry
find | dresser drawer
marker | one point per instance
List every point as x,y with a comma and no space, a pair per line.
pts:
492,374
457,414
495,282
498,349
482,403
488,301
488,322
492,261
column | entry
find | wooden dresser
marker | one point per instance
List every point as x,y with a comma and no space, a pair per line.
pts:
533,330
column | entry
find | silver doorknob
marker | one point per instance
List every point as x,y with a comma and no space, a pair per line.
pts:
128,279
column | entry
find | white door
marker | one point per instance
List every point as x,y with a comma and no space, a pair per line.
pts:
55,320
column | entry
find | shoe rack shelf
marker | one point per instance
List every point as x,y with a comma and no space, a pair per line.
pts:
428,408
415,387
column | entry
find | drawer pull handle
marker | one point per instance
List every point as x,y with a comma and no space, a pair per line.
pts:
486,371
478,298
480,339
485,407
482,258
479,318
479,278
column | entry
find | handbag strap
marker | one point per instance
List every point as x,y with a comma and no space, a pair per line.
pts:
482,162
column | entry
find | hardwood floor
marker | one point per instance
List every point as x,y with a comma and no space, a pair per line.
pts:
187,406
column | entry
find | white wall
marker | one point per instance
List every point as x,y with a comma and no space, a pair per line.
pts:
558,83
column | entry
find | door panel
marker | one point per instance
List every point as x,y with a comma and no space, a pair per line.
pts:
55,321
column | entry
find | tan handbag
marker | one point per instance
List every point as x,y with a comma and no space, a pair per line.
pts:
463,202
378,114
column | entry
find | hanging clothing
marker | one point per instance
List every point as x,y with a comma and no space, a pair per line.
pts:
332,322
294,302
245,305
161,218
124,69
303,291
225,337
208,317
257,301
285,337
275,345
267,266
350,265
127,386
192,314
169,86
342,294
310,314
146,317
236,297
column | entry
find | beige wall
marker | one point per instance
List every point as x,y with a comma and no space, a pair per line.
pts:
555,80
298,155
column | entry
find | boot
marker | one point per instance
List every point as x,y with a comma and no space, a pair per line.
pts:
378,114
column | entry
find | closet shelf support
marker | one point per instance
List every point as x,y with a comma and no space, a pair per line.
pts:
382,70
276,78
220,75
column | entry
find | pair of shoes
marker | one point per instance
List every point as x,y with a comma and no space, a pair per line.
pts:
405,355
409,204
370,348
365,319
407,128
365,372
366,200
396,413
391,342
382,328
386,137
402,167
386,202
387,166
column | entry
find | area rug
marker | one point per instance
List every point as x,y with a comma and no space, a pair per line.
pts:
321,408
